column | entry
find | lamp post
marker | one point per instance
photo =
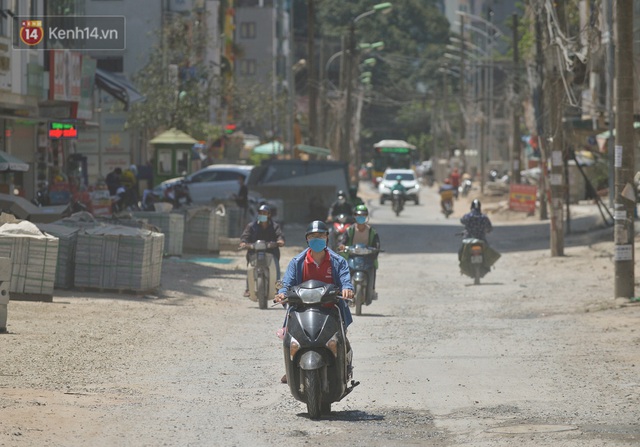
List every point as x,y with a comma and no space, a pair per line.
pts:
351,46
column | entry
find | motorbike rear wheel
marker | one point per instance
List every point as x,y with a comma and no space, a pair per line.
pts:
313,392
476,274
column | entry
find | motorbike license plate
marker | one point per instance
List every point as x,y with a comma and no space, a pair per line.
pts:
260,255
476,259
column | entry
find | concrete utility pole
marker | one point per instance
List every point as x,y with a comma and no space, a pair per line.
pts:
312,75
515,161
463,99
539,112
624,162
555,94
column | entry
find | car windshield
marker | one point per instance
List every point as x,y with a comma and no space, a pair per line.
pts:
393,177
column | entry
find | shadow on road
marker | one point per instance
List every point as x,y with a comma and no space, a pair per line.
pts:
409,239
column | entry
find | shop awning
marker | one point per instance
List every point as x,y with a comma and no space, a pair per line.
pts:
314,150
271,148
118,86
10,163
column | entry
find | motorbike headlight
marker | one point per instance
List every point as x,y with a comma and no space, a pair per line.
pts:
294,347
332,345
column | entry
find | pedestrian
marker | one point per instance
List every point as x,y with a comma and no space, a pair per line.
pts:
320,263
113,181
263,229
242,200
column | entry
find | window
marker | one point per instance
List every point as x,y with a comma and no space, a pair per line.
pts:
183,156
248,30
227,176
164,161
247,67
206,176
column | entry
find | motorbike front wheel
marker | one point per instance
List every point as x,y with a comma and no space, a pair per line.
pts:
359,299
261,291
313,391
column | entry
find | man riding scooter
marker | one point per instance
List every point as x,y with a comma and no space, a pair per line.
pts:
447,192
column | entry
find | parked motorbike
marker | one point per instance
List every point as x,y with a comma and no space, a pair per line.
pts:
42,195
465,187
178,194
317,355
338,230
476,258
361,259
261,272
397,201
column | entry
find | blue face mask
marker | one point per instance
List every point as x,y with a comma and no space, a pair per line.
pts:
262,218
317,244
361,219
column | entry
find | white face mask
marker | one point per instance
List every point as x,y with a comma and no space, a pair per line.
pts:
262,217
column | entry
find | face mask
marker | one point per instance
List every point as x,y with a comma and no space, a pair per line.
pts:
317,244
262,218
361,219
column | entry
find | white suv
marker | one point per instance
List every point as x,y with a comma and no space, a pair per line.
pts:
408,180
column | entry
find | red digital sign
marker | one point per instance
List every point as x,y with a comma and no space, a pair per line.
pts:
62,130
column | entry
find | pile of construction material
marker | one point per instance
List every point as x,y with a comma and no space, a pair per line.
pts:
170,224
66,262
203,228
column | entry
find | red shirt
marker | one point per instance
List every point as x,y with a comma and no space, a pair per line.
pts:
322,272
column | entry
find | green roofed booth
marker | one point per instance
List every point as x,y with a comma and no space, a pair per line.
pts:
172,154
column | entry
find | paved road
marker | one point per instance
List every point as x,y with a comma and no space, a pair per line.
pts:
538,355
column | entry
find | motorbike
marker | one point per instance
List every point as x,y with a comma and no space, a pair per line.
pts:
178,194
261,272
317,355
338,230
465,187
42,195
361,260
397,201
476,258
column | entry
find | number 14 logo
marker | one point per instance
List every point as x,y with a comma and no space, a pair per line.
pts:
31,32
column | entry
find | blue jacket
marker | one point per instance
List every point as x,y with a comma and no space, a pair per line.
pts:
339,272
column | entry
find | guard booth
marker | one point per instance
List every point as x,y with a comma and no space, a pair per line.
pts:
172,154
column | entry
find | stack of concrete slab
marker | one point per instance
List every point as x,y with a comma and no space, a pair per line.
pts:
23,209
34,257
68,238
119,258
203,228
171,225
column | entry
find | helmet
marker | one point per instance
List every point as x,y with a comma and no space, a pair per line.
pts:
341,193
361,210
317,226
398,177
476,205
264,208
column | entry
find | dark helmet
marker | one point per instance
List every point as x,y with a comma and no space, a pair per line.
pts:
317,226
264,208
361,210
341,193
476,205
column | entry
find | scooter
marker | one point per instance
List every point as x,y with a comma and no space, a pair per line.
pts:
397,201
447,207
261,272
476,258
317,355
42,195
338,230
465,187
178,194
361,259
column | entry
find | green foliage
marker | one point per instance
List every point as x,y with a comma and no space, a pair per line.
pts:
181,102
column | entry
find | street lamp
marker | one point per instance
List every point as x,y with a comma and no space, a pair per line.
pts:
346,139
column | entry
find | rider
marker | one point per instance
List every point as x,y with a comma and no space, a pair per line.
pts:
363,233
447,192
264,229
476,224
399,186
340,206
320,263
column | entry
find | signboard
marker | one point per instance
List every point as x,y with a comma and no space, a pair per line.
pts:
65,76
523,198
62,130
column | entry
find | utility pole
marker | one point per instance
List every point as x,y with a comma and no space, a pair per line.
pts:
624,162
555,95
515,158
345,153
539,112
312,75
463,102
